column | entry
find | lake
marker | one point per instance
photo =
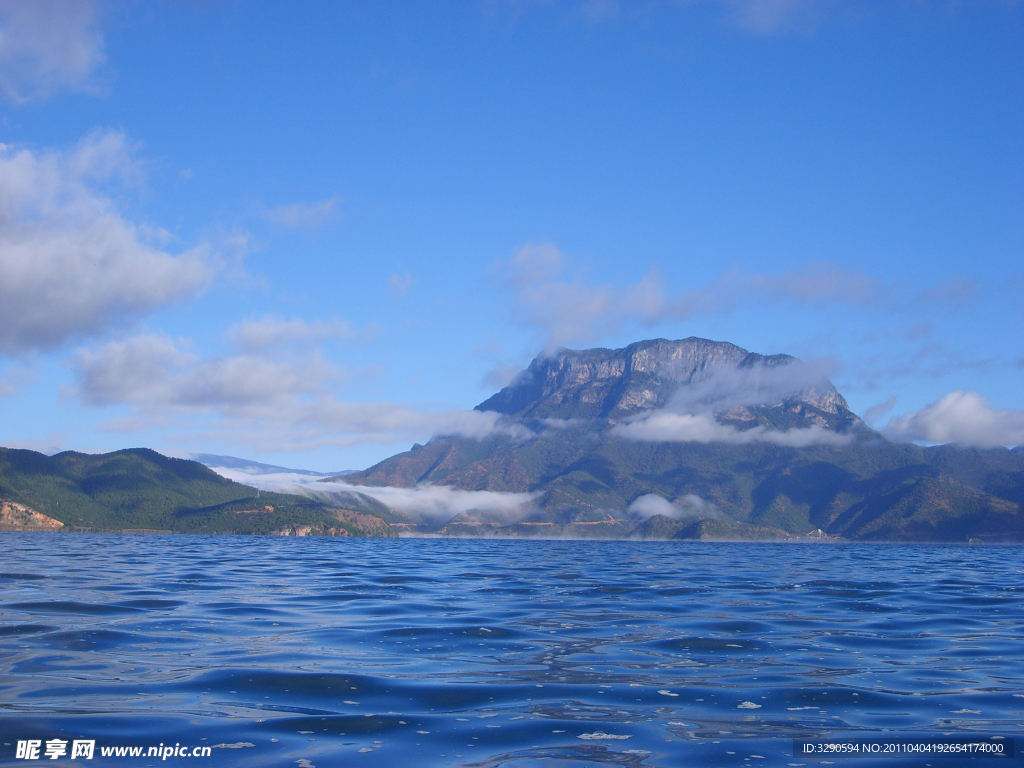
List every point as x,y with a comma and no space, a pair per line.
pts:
455,652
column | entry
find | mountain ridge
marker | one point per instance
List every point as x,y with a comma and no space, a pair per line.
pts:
615,384
257,468
588,472
731,445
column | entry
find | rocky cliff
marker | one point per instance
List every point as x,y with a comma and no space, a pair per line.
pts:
18,517
741,388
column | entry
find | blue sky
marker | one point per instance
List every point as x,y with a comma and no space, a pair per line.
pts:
312,234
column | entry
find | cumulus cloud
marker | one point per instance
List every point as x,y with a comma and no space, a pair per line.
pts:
269,402
48,46
152,370
270,331
687,506
552,297
72,266
960,417
436,504
302,215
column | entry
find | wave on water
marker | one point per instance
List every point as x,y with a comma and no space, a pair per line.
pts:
437,652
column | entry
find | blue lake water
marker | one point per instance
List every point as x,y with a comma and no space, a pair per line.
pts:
433,652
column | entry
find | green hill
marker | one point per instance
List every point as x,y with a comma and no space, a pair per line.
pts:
868,490
140,489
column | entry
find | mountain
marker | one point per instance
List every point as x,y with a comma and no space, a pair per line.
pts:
703,439
256,468
139,489
617,383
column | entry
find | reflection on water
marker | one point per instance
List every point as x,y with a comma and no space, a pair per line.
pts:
430,652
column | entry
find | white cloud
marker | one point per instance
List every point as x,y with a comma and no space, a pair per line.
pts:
439,503
302,215
152,371
345,423
567,309
71,265
734,387
691,413
433,503
960,417
668,427
270,331
689,505
814,283
552,298
48,46
872,414
270,402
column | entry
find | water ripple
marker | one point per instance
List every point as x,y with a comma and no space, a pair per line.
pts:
502,653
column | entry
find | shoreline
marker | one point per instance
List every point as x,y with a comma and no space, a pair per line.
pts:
794,540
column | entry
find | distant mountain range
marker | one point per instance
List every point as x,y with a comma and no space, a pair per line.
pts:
702,439
688,439
256,468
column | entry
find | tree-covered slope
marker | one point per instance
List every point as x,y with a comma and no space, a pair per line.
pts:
140,489
871,490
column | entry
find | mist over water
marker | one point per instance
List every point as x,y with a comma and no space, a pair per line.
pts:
432,652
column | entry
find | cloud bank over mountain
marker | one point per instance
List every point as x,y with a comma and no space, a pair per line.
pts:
434,504
666,426
685,507
693,411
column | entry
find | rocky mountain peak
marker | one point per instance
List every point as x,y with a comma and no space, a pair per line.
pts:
658,373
